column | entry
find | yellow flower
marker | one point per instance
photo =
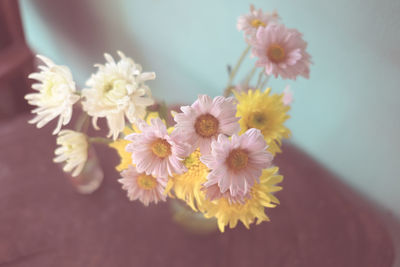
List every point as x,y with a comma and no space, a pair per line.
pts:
120,144
187,186
265,112
253,208
149,116
152,115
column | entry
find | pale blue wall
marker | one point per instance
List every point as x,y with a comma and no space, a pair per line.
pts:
346,115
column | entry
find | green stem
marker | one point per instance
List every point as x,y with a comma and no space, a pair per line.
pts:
163,111
265,81
86,125
260,76
235,69
99,140
82,121
249,76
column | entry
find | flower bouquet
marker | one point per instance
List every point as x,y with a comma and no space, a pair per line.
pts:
216,155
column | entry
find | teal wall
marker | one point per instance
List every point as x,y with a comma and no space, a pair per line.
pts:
346,115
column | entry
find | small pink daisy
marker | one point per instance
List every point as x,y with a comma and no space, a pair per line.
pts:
144,187
236,163
249,23
281,51
205,119
156,153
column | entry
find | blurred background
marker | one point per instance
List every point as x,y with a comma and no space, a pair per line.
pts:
345,115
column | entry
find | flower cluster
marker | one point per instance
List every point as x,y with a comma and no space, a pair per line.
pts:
216,154
209,158
280,51
117,91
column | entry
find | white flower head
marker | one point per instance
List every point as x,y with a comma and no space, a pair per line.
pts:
56,94
117,90
73,150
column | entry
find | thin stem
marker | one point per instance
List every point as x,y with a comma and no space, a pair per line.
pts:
249,76
235,69
260,76
228,91
163,111
86,124
81,122
99,140
265,81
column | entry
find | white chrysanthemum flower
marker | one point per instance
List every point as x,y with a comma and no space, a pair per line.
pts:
56,94
117,90
73,151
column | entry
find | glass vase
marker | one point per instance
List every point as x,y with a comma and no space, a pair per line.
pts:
191,221
91,177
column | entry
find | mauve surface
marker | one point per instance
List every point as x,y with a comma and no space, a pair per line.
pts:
44,222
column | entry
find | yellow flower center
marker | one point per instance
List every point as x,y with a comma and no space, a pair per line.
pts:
255,23
115,89
193,160
146,182
237,159
48,88
190,161
108,87
69,147
276,53
51,88
257,120
161,148
206,125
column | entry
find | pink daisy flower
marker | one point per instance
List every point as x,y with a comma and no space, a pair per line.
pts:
281,51
156,153
205,119
144,187
249,23
236,164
